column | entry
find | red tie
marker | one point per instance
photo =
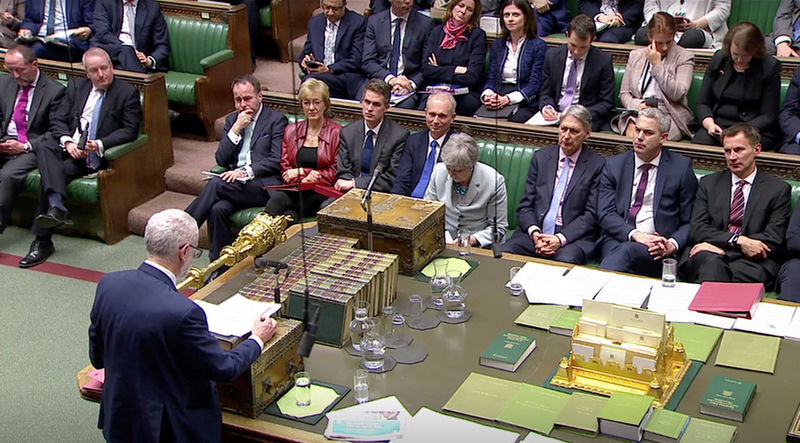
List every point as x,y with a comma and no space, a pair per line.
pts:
737,209
639,198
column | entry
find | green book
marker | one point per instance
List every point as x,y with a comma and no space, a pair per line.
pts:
707,431
540,316
580,413
508,351
727,397
665,426
565,323
534,407
698,340
744,350
482,396
624,415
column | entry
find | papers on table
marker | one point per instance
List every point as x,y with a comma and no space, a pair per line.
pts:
674,304
769,319
534,277
626,290
378,420
427,423
235,316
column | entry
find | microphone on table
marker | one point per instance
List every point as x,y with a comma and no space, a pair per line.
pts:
368,192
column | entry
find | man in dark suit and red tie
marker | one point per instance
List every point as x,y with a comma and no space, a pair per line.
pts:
134,33
98,112
154,344
557,215
28,105
645,201
740,217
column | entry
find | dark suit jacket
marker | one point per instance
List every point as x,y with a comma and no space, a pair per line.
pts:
378,45
79,13
529,68
597,83
631,10
470,53
793,235
673,196
553,21
150,30
121,112
162,368
765,216
579,210
760,99
412,162
44,105
387,151
265,146
789,117
349,41
382,5
788,12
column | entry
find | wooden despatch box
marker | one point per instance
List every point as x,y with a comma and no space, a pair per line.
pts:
409,227
269,377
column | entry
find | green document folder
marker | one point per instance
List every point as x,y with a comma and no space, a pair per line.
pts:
581,411
540,316
482,396
707,431
669,425
698,340
744,350
534,407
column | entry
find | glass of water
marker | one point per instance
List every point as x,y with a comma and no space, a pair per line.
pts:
415,309
302,388
515,286
373,349
464,242
439,281
361,385
669,269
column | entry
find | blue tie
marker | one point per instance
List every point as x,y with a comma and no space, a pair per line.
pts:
51,18
422,185
394,61
366,154
549,224
93,160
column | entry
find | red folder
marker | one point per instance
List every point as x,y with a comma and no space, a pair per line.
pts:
728,299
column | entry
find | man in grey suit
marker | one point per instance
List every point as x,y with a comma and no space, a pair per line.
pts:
558,212
393,48
785,38
28,104
740,217
370,142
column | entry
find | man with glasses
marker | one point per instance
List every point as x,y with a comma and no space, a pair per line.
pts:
154,343
332,52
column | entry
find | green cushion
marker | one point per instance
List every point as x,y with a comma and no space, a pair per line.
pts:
619,71
512,162
760,12
84,190
181,87
192,40
265,14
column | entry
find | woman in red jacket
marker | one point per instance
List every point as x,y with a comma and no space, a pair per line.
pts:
308,158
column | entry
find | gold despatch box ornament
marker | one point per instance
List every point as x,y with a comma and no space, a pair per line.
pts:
622,349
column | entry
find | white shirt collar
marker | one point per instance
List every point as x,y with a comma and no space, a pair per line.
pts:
376,130
166,271
749,179
654,162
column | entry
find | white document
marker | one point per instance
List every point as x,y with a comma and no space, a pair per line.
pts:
539,281
371,421
626,290
539,120
674,304
534,437
431,426
236,315
793,330
582,283
769,319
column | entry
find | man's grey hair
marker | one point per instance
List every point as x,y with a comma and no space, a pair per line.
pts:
663,119
167,231
443,96
581,113
95,51
460,152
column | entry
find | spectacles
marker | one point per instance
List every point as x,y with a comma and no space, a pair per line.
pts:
197,252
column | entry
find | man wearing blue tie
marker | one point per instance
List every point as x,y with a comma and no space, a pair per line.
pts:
557,213
423,148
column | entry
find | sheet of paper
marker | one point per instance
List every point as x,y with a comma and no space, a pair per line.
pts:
626,290
447,429
582,283
769,319
235,316
540,281
376,420
793,330
533,437
674,302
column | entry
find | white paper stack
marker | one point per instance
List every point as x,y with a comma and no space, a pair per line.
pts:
378,420
769,319
581,284
674,304
626,290
537,279
235,316
428,425
793,330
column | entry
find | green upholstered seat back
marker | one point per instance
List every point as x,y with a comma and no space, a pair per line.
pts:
760,12
192,40
619,71
512,162
265,18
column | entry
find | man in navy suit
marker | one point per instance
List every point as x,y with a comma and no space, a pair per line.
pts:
404,73
557,214
789,274
251,150
423,149
594,77
332,52
134,33
98,112
47,17
154,343
617,20
552,16
740,217
377,6
789,118
645,201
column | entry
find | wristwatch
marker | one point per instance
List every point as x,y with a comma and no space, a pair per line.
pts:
733,240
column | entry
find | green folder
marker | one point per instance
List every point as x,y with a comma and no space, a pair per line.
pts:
482,396
665,424
581,411
534,407
566,321
744,350
540,316
698,340
706,431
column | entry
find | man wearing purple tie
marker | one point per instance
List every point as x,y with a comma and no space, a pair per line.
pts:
27,106
645,201
740,217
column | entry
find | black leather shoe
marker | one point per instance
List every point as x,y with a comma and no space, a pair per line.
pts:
40,250
53,218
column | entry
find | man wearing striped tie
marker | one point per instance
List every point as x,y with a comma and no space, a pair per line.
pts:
740,217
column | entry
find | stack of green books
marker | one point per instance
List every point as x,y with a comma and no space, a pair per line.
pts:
665,426
624,415
581,412
708,431
728,397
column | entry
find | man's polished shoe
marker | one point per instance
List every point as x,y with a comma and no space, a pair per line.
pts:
53,218
40,250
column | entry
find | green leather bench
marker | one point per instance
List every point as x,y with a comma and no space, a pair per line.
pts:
281,25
